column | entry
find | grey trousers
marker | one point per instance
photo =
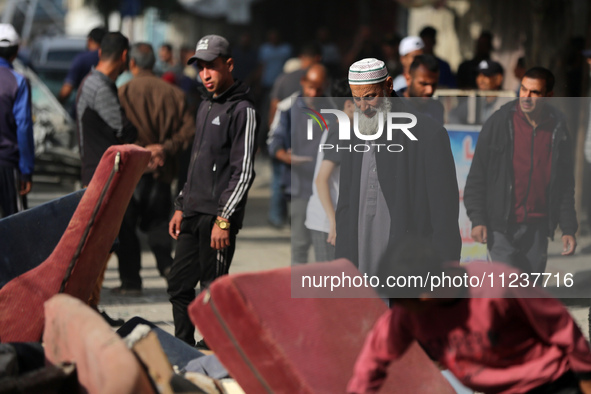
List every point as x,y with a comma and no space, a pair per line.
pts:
323,251
524,246
300,235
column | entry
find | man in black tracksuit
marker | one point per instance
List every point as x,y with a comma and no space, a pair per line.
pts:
521,182
210,208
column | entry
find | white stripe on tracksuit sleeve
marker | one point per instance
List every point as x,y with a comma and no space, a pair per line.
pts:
588,143
247,165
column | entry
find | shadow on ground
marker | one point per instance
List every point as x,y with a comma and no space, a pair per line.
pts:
149,296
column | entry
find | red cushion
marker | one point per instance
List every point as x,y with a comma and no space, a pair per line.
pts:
271,342
84,243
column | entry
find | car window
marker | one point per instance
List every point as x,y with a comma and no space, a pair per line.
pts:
51,121
63,55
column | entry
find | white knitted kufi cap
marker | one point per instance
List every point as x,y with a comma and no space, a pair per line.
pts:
367,72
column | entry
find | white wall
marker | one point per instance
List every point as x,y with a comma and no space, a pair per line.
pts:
447,46
80,19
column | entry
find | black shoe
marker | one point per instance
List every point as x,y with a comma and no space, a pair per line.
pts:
201,345
112,322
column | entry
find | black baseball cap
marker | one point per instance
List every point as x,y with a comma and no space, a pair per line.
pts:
489,68
210,47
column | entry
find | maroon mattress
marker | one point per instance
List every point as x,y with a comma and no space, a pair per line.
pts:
75,264
273,343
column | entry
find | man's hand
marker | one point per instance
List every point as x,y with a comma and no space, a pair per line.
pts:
297,160
479,234
220,239
332,235
174,227
283,156
293,160
569,244
25,187
65,92
157,158
585,386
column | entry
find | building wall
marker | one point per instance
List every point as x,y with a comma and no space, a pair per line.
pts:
80,19
448,47
456,44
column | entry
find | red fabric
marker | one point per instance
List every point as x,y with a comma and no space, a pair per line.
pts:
492,345
304,345
169,77
75,333
21,300
536,190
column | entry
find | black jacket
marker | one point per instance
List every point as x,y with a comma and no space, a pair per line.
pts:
488,194
221,170
419,185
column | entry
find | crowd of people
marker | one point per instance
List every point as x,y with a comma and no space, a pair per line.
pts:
203,123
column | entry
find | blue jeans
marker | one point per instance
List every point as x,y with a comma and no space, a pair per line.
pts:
277,204
301,240
178,352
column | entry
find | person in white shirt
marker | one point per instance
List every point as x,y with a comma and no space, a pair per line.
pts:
320,213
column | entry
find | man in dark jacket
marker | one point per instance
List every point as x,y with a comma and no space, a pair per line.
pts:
17,148
289,144
521,182
82,63
386,194
421,82
210,208
165,127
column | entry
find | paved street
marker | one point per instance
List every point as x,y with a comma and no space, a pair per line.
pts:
579,263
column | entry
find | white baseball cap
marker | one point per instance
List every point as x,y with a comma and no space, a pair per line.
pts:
8,36
409,44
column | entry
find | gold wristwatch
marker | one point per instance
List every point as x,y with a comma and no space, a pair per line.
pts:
222,224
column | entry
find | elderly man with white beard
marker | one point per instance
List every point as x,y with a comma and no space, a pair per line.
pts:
388,194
